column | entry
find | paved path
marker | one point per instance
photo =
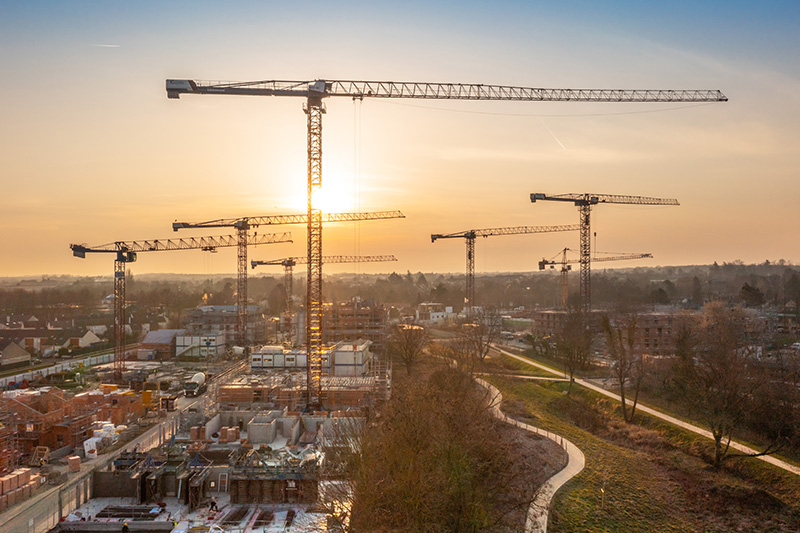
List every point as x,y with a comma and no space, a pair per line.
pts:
520,376
536,520
671,419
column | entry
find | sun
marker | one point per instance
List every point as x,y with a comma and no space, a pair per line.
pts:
335,196
332,200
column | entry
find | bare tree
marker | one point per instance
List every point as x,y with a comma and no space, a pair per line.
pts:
626,366
573,345
483,332
719,378
407,343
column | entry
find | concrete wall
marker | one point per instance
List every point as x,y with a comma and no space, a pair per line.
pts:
113,485
170,485
232,418
262,430
213,426
290,428
312,422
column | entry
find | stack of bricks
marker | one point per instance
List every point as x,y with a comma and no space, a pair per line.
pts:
197,433
17,487
229,434
74,463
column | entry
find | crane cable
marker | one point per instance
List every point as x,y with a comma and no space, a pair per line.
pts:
357,187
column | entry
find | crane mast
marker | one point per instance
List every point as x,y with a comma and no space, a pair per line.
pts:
243,224
469,237
315,91
566,263
126,252
584,203
289,263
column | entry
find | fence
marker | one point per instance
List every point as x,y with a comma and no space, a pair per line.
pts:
90,360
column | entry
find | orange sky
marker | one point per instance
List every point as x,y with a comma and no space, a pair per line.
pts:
94,152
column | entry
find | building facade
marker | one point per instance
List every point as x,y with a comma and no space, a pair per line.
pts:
214,320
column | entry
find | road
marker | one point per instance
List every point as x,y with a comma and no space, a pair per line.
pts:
663,416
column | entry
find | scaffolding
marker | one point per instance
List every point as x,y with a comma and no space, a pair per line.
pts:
9,443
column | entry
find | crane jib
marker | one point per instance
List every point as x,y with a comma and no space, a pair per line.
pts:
436,91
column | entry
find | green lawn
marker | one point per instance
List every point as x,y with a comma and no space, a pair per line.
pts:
657,402
504,364
652,474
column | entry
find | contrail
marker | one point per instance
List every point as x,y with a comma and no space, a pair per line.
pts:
554,135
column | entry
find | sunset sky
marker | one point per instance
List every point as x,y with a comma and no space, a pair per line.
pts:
93,151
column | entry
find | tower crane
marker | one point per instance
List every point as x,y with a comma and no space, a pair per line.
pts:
243,225
126,252
584,203
289,263
567,263
469,237
316,91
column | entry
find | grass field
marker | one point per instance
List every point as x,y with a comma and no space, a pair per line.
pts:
649,476
508,365
651,399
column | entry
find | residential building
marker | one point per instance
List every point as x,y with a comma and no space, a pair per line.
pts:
13,355
159,345
434,313
212,320
47,417
200,346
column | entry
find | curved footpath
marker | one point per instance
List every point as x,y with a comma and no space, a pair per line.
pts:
671,419
536,520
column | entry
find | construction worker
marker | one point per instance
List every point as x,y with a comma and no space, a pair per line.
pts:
125,528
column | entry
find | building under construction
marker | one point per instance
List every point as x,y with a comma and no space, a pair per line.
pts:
355,320
47,417
260,468
287,390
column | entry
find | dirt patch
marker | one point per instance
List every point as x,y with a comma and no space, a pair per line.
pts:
536,459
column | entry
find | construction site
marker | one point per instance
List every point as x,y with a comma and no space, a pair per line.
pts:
252,445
